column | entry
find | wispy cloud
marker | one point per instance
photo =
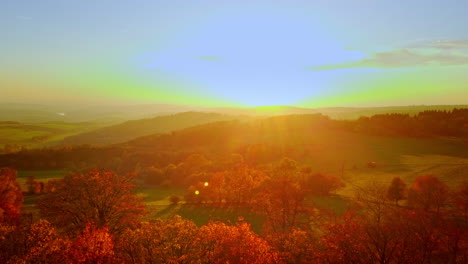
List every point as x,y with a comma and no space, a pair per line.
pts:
448,44
441,55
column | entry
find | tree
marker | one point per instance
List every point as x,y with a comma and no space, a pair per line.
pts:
241,183
94,246
11,197
44,245
299,246
322,184
30,183
373,199
101,197
397,190
174,199
428,193
281,200
344,241
220,243
161,241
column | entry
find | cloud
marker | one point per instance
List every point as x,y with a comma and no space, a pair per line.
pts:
449,44
403,58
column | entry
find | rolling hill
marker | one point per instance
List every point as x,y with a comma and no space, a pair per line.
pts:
316,142
325,145
136,128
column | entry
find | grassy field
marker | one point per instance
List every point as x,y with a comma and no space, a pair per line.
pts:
36,135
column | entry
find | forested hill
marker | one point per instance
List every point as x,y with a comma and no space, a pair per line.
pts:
291,128
136,128
314,139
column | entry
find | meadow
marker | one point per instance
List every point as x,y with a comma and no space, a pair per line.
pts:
14,135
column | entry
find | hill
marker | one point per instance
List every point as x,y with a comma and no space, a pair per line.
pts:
136,128
16,135
343,148
322,144
36,113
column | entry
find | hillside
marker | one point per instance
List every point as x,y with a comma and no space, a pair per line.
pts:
325,145
16,135
35,113
318,142
136,128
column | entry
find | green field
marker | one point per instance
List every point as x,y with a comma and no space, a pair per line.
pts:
35,135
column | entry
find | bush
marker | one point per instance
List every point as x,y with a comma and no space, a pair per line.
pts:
174,199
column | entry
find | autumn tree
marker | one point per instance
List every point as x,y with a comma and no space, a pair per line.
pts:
428,193
159,241
281,200
397,190
373,199
30,183
11,197
36,243
101,197
242,182
322,184
221,243
217,187
344,241
44,245
92,246
299,246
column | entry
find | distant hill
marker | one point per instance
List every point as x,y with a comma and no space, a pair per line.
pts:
356,112
317,141
38,113
113,114
136,128
342,148
15,135
344,113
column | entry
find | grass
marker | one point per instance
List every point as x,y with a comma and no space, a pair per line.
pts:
40,175
158,205
202,215
335,203
158,195
39,134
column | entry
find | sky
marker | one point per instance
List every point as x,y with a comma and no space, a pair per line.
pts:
314,53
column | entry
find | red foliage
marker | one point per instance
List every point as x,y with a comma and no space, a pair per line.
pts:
221,243
11,197
94,246
101,197
428,193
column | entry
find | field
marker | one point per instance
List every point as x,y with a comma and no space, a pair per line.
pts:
36,135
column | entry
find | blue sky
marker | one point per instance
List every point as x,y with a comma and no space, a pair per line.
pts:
307,53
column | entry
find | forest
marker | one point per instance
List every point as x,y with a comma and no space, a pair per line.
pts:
390,188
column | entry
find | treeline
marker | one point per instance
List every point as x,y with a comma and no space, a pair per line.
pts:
425,124
95,217
258,141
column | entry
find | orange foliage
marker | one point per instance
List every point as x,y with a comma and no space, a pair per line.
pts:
11,197
94,245
101,197
220,243
428,192
171,241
